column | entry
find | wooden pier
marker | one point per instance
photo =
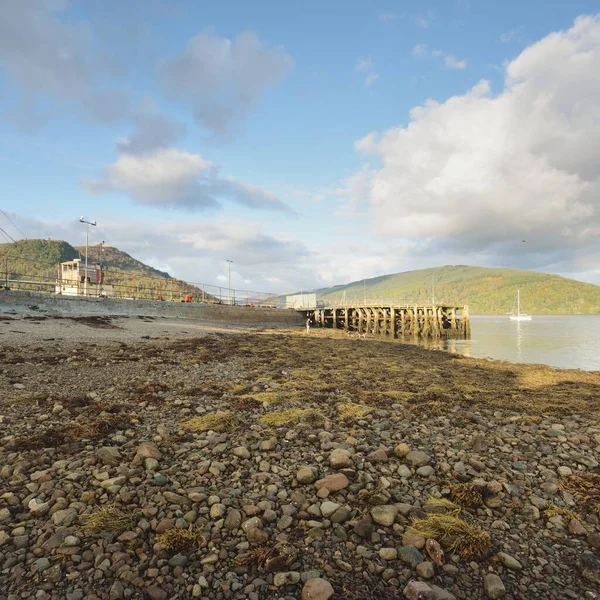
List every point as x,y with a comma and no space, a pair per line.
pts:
439,321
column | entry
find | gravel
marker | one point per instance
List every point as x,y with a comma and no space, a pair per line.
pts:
108,492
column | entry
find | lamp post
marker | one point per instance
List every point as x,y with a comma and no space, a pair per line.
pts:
87,235
101,273
229,263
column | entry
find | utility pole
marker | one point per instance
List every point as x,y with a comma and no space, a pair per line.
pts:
101,272
87,235
229,263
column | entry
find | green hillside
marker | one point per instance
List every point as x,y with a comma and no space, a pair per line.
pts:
485,290
38,260
113,258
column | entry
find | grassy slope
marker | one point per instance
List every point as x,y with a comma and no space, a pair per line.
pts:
485,290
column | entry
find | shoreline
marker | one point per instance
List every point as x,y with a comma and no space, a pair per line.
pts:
247,463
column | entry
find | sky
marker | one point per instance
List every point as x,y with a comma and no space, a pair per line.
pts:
311,143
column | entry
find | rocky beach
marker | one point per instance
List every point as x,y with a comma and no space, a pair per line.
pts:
144,458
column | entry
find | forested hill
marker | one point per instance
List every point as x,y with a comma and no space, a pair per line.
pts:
39,259
485,290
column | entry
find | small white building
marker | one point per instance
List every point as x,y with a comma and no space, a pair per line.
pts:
72,279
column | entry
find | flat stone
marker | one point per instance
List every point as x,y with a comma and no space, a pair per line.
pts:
388,553
416,458
64,517
333,483
306,475
109,455
384,514
340,458
145,450
341,515
317,589
233,520
378,456
509,562
328,508
426,471
410,556
286,578
241,452
364,527
564,471
426,570
576,528
155,593
418,590
404,471
41,564
269,444
493,587
151,464
113,482
173,498
410,539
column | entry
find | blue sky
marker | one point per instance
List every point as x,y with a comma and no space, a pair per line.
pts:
288,136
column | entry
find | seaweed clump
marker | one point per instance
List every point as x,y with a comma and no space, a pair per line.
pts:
109,518
223,421
288,418
468,495
178,540
470,542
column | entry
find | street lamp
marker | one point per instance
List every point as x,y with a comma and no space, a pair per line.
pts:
87,235
229,263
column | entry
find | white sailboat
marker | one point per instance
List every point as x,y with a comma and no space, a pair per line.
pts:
519,316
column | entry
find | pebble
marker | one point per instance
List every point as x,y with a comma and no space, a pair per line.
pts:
384,515
317,589
306,475
416,458
340,458
509,562
493,587
410,556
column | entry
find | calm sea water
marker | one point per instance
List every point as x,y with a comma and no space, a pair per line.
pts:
569,342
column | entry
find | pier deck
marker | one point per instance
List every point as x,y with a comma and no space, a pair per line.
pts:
436,321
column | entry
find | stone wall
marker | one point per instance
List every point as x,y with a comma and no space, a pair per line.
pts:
239,315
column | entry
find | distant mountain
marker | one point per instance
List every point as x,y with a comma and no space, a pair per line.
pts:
485,290
35,260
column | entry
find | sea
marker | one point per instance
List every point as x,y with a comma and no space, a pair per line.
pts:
567,342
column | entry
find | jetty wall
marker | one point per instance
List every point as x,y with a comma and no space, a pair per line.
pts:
76,305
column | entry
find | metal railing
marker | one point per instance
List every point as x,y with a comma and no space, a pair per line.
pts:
140,288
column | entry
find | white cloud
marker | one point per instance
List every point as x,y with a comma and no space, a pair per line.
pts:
365,66
453,63
508,36
478,171
171,178
223,79
420,50
54,60
371,79
424,19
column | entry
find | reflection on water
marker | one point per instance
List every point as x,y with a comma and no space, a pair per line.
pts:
571,342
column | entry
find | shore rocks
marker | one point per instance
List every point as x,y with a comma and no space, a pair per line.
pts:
493,587
308,505
317,589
